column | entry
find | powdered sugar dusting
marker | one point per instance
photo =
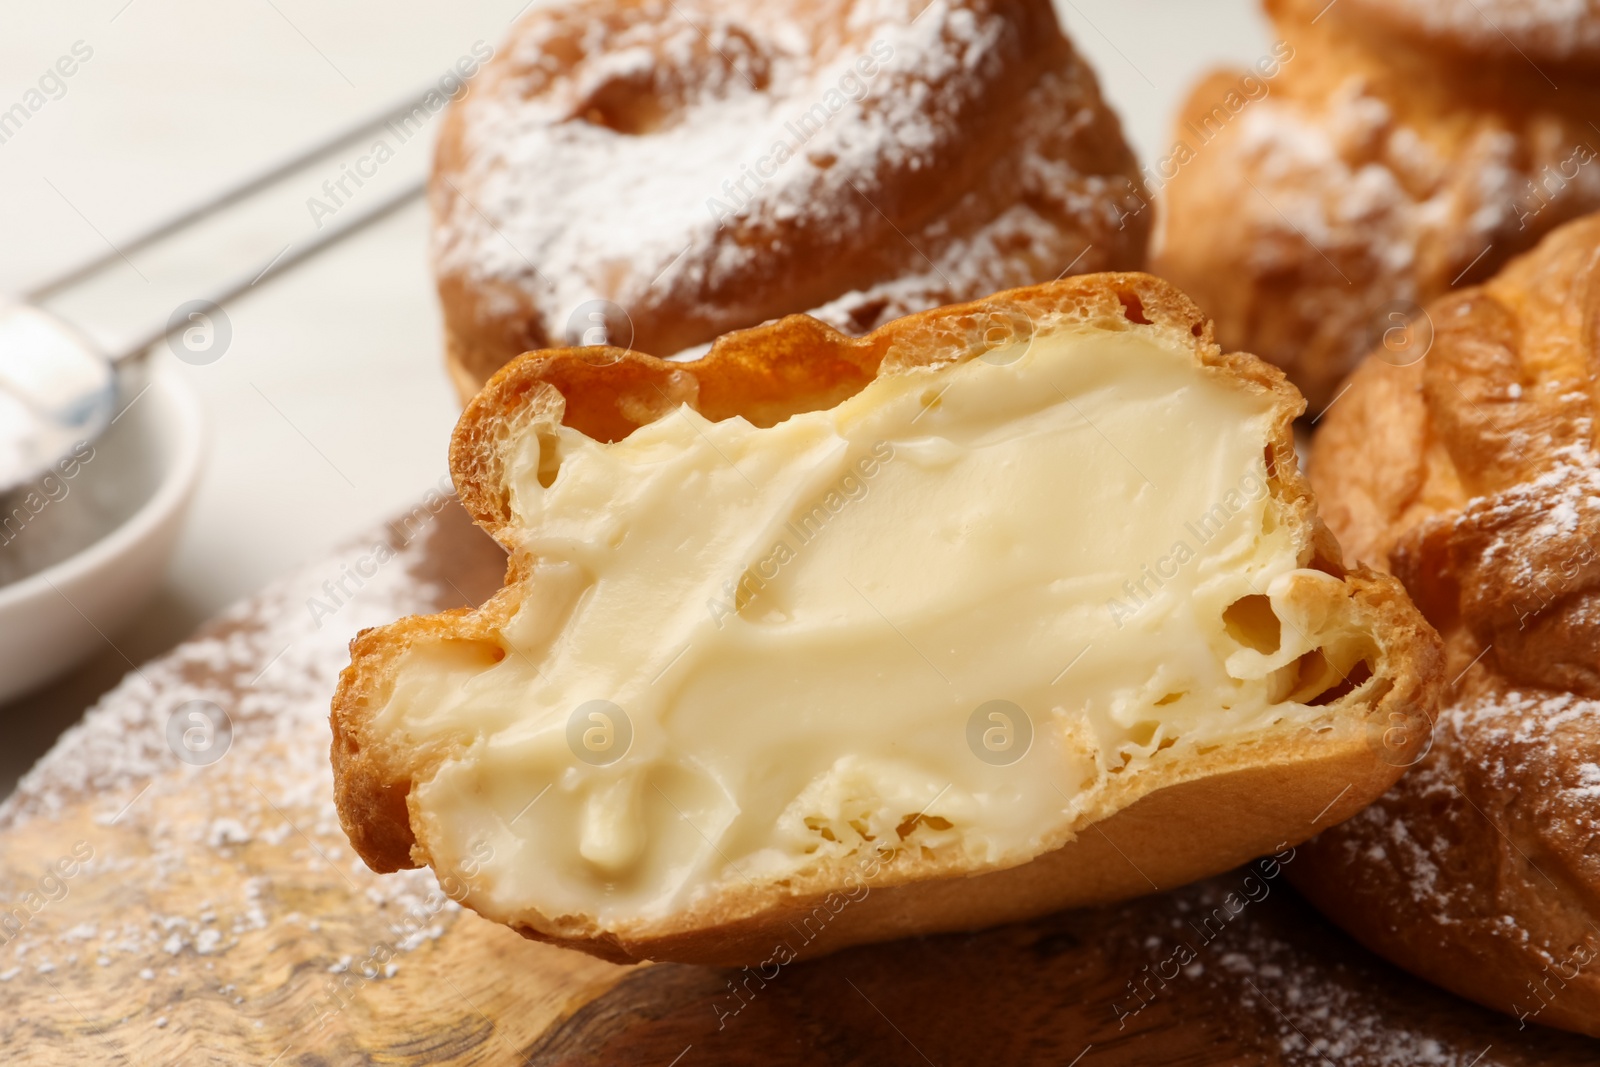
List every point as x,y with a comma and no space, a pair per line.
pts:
1521,742
1556,505
271,664
677,168
1550,29
1393,211
1345,179
1296,987
618,200
1322,1018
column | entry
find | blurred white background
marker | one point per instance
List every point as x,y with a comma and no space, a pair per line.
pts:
330,409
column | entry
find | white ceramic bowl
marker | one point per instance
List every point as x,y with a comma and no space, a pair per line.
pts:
135,488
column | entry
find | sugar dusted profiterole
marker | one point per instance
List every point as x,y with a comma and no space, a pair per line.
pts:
821,640
655,173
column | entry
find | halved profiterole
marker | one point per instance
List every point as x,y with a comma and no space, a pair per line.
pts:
1005,607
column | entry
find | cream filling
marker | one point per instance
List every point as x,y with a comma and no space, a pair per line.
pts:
979,594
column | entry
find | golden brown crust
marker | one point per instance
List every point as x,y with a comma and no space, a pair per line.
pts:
1209,815
979,156
1376,171
1472,476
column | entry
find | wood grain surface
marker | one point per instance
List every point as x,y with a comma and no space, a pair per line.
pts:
160,909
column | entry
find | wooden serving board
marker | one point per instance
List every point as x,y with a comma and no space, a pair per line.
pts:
207,909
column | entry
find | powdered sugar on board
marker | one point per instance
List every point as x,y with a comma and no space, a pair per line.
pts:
270,664
1323,1016
1245,947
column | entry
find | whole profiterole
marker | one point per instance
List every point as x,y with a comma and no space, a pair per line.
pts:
1472,475
719,700
653,173
1401,148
